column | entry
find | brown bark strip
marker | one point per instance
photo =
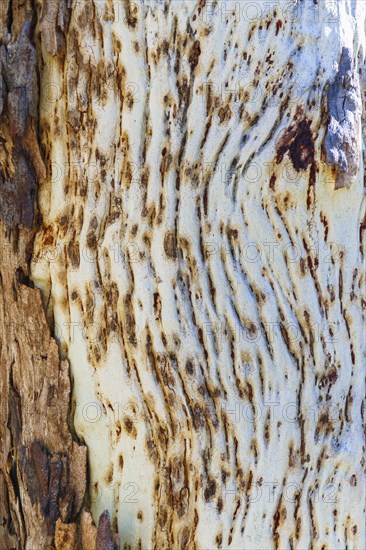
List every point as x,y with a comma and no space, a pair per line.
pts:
43,470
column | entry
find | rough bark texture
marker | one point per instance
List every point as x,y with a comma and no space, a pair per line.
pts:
43,470
200,260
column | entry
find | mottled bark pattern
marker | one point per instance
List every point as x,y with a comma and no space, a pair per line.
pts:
204,277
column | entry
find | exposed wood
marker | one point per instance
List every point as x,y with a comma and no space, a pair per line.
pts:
43,469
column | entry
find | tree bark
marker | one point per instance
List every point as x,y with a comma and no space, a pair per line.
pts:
197,249
43,468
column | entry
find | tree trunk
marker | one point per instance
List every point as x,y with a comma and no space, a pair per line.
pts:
198,246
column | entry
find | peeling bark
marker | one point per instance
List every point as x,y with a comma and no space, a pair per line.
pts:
43,469
342,142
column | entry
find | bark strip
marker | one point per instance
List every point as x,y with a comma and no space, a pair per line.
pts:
43,469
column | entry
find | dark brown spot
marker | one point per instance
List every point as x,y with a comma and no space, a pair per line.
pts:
210,490
73,253
189,368
194,55
298,142
170,246
278,26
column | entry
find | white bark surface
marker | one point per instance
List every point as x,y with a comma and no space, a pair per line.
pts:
202,272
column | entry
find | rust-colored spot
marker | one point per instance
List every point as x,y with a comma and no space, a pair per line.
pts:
129,426
224,114
279,25
194,55
272,182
